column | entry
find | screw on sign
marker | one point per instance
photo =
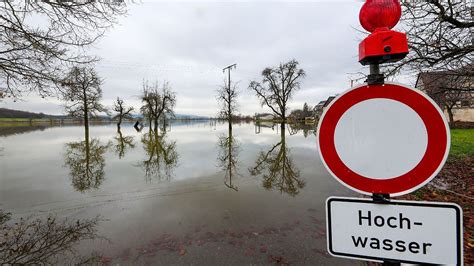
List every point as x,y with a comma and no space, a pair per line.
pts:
387,139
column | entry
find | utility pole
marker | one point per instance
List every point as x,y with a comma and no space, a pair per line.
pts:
234,66
229,68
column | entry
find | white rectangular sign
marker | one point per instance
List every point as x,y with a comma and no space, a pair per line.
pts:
403,231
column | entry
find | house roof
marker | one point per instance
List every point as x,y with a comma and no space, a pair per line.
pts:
436,83
324,103
329,100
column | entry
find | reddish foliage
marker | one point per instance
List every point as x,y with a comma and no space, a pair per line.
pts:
235,238
458,177
279,260
322,252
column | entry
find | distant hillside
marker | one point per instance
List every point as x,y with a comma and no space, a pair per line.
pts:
177,116
9,113
184,116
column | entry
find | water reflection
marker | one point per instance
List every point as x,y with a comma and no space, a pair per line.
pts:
123,143
86,162
162,156
277,168
228,156
307,129
263,124
200,197
6,131
44,241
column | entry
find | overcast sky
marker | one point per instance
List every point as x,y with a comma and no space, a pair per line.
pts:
188,44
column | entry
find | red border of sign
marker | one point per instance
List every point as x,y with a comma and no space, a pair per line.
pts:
431,163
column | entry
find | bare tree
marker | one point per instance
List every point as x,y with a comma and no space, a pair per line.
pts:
42,241
82,94
278,86
439,36
36,56
123,112
157,103
227,99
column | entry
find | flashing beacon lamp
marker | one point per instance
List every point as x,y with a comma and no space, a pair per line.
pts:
383,45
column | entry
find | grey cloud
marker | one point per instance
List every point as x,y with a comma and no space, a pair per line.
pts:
188,44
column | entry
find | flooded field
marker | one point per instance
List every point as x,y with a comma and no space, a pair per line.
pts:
195,193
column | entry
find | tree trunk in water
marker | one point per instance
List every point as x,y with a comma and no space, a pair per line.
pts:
86,128
149,123
118,124
156,125
230,153
282,133
86,116
283,112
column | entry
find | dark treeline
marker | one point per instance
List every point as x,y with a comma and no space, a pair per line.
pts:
10,113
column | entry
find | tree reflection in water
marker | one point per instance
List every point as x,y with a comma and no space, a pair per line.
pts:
123,144
44,241
277,168
86,162
227,158
305,128
162,156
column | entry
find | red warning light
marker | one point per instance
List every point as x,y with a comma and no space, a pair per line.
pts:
376,14
382,45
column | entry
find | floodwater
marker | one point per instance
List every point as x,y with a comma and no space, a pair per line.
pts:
195,193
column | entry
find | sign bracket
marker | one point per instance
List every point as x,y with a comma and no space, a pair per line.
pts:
375,77
381,198
390,263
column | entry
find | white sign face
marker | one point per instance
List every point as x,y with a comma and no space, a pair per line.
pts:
404,231
387,137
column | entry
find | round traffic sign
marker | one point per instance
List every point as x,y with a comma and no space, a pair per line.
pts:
387,139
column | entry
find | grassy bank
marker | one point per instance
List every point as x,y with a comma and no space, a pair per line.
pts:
457,176
462,142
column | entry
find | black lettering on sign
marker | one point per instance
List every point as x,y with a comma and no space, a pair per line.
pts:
425,247
389,244
401,221
374,243
404,219
379,221
369,218
414,247
400,246
359,241
389,222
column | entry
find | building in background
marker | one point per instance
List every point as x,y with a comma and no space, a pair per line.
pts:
321,106
453,91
